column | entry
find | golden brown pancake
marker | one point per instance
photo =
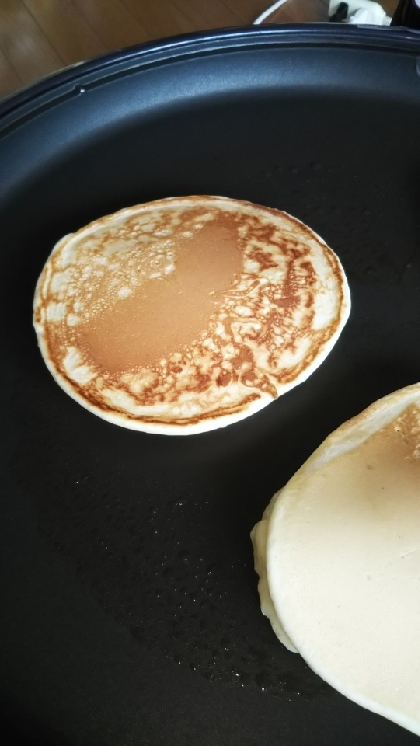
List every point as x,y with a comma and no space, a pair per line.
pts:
187,314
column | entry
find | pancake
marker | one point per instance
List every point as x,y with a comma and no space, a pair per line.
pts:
187,314
338,554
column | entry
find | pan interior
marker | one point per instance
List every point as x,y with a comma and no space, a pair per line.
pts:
156,530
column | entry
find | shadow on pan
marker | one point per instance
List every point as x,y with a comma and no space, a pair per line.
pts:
19,728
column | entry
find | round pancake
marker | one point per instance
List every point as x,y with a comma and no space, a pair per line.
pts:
338,554
187,314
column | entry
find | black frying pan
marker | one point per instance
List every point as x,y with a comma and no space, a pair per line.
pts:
129,610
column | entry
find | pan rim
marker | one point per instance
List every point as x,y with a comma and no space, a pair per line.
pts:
221,41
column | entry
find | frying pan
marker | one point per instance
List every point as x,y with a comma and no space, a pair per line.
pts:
129,609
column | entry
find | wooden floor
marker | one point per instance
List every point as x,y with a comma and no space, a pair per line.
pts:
38,37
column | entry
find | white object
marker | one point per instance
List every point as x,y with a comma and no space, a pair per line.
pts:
362,12
275,6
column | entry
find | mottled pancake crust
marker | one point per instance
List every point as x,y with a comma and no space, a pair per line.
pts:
276,309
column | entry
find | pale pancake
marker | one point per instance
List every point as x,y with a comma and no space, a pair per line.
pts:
187,314
338,554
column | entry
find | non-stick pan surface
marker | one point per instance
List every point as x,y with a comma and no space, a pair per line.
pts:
129,610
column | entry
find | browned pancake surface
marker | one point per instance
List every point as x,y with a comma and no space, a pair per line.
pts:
188,311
